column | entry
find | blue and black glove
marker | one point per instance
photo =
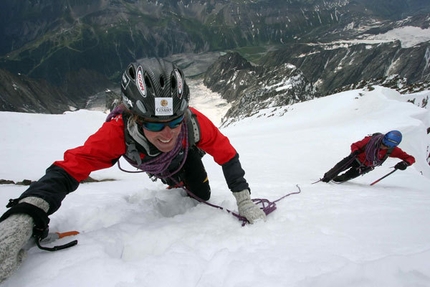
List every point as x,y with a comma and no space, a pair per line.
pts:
401,165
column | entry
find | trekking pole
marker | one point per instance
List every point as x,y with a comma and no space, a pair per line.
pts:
378,180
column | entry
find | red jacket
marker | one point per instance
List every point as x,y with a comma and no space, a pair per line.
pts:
397,152
103,149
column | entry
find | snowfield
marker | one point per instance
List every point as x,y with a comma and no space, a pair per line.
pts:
134,232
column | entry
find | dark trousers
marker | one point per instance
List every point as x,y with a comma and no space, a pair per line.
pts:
352,172
193,175
353,169
342,165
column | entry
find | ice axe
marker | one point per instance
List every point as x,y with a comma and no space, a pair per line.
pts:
58,235
53,237
378,180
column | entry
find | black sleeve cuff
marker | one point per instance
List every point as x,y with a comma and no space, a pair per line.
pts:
234,175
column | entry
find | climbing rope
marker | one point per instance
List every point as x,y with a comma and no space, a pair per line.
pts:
266,205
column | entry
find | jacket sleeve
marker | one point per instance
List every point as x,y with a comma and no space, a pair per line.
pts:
213,141
399,153
100,150
219,147
52,187
234,175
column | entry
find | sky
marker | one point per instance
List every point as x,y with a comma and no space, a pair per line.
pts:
135,232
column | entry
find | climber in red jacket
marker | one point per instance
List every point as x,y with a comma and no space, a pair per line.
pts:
368,153
156,131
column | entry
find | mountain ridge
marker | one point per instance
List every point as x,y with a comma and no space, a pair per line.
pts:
65,42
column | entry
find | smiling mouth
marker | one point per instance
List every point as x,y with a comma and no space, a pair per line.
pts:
165,141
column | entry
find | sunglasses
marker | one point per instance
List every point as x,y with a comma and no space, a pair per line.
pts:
158,126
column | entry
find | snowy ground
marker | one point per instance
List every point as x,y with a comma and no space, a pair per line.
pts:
134,232
408,36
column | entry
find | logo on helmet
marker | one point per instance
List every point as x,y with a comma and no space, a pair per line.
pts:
140,82
179,83
164,103
163,106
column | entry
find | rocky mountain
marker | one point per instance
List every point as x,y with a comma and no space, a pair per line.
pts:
335,65
321,69
80,48
299,72
23,94
251,88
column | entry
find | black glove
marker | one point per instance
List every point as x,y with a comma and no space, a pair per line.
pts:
401,165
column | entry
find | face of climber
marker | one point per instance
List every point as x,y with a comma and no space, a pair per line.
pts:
163,134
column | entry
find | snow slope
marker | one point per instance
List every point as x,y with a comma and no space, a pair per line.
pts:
134,232
408,36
